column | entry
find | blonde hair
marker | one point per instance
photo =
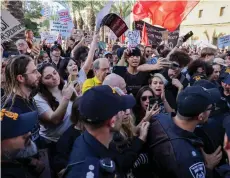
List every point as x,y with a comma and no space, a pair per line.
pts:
128,130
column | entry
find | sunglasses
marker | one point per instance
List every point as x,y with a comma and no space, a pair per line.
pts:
144,98
174,66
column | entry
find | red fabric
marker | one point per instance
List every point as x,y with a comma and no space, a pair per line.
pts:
144,37
122,38
168,14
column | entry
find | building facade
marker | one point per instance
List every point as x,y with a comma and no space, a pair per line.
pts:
209,20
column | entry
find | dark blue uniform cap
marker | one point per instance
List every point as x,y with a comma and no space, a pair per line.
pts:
14,125
205,83
102,103
227,79
195,99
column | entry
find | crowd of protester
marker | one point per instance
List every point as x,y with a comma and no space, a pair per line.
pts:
143,112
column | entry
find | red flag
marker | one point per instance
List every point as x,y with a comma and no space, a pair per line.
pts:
122,38
168,14
144,37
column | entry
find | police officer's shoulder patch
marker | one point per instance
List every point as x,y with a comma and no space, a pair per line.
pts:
198,170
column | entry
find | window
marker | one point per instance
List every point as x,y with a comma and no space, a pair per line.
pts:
222,11
200,13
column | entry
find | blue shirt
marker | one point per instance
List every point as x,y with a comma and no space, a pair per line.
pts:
175,152
85,151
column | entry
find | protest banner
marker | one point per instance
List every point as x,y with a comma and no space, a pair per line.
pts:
224,41
134,38
10,26
49,37
115,23
155,35
64,29
64,15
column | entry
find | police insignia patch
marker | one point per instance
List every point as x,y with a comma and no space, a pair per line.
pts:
198,170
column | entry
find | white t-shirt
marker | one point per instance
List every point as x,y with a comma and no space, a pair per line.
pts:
81,76
53,132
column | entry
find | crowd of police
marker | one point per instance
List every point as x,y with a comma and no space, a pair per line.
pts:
142,112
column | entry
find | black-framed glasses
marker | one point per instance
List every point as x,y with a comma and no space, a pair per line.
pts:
174,66
144,98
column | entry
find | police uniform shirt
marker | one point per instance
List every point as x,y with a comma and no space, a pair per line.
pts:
189,158
181,157
85,150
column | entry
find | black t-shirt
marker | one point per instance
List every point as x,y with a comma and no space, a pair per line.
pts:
21,106
171,91
64,147
14,170
133,82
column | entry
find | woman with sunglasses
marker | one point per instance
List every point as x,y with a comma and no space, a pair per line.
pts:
53,103
144,110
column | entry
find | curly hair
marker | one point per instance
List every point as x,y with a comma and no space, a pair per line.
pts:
182,58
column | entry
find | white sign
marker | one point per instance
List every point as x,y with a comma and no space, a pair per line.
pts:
64,15
49,37
10,26
64,29
103,12
134,38
224,41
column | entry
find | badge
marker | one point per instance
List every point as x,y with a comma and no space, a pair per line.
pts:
198,170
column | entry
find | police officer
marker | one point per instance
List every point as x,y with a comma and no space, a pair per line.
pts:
173,147
102,110
15,135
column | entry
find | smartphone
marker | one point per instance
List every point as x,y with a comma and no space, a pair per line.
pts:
152,101
187,36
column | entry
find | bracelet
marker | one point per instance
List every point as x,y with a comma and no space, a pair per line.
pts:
64,97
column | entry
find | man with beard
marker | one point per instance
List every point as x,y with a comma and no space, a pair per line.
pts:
15,135
22,78
102,110
101,69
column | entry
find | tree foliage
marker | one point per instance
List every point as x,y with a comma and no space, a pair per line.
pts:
32,11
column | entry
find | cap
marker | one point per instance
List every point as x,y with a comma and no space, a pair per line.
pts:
197,77
54,47
227,79
195,99
120,52
107,52
205,83
14,124
102,103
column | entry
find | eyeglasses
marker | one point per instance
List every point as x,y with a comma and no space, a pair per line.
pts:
35,71
144,98
174,66
39,66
